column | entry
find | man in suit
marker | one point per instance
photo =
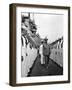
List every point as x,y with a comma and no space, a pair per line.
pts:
46,52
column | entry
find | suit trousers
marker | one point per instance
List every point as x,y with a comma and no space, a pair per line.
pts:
46,59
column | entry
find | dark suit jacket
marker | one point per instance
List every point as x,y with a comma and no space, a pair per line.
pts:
46,49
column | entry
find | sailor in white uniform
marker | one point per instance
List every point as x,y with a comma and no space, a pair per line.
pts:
41,53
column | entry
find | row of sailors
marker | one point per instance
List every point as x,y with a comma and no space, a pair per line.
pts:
28,56
30,44
58,45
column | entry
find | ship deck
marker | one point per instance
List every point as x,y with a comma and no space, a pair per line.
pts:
40,70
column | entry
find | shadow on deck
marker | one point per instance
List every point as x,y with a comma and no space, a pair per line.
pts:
40,70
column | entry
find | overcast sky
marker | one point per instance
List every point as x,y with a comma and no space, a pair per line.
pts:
50,25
